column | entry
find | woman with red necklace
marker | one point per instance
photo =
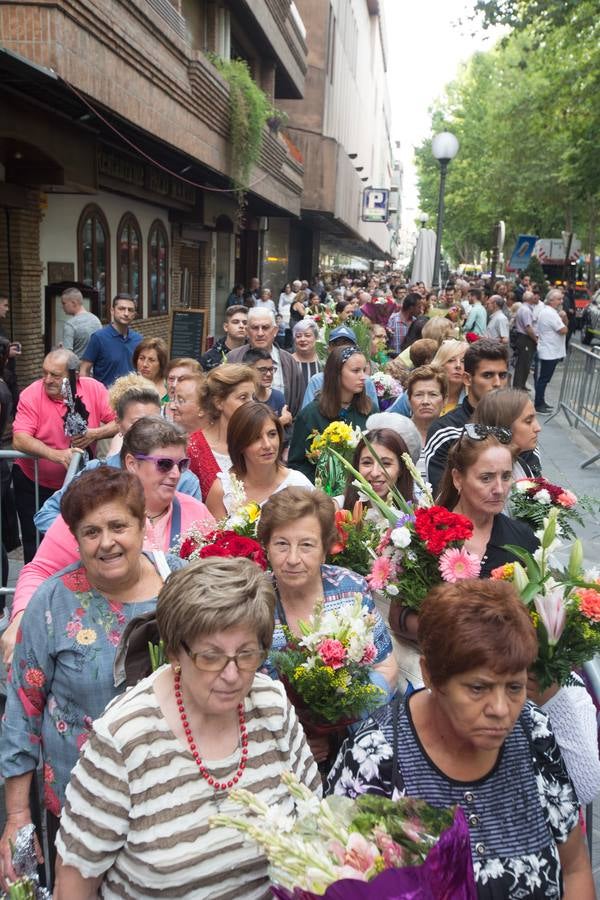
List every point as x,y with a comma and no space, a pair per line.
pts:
162,760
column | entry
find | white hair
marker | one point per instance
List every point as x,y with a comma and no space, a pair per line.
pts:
256,312
306,324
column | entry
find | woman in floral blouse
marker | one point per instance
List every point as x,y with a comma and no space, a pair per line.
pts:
62,672
471,738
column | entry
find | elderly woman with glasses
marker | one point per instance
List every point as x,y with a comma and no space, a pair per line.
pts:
162,760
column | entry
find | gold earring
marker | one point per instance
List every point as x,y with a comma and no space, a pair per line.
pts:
177,668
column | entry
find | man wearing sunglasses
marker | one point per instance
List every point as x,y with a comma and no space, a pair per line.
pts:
486,369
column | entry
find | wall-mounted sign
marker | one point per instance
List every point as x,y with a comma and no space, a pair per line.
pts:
375,205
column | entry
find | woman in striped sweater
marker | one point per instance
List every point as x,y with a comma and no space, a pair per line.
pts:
163,760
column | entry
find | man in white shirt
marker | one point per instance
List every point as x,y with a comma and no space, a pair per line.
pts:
552,328
497,327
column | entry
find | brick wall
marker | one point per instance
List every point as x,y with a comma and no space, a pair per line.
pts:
26,269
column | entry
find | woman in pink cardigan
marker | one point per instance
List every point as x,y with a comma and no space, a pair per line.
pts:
148,448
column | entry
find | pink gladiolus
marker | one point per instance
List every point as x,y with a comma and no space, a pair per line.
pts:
552,613
332,653
381,572
567,499
393,853
457,564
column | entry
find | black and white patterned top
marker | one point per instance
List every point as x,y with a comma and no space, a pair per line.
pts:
517,813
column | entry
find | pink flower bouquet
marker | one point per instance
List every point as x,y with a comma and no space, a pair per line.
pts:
533,498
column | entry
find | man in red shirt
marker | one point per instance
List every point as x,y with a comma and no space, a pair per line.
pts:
39,429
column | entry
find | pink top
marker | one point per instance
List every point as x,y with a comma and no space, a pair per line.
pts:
43,418
59,548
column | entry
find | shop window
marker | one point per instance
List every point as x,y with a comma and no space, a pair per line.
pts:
93,251
129,259
158,270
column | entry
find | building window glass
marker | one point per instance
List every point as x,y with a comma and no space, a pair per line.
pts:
158,270
129,258
93,254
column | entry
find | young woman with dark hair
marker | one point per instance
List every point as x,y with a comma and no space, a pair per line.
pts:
343,398
255,445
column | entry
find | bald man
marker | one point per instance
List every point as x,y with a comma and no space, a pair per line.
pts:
39,429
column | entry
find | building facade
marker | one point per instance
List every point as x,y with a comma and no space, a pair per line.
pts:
115,156
342,128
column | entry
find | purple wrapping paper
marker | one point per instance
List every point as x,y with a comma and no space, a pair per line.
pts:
446,874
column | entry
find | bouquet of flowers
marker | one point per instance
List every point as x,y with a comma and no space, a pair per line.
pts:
423,545
339,436
195,545
370,847
358,537
533,498
326,670
564,605
386,388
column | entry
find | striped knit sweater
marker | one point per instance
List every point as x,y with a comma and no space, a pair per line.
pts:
137,809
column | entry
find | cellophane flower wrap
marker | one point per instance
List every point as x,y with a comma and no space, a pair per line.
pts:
422,546
387,389
563,602
532,499
327,668
358,537
330,474
370,847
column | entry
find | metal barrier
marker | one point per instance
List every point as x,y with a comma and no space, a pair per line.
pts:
11,455
579,396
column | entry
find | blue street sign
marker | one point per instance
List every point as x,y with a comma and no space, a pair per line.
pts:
375,205
522,252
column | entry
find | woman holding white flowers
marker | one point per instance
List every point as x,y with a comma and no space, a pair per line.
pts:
161,762
255,447
297,529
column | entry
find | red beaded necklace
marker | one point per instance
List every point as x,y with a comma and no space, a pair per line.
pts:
218,785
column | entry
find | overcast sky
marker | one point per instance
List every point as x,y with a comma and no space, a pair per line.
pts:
426,45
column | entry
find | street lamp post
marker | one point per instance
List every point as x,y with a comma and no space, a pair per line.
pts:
444,147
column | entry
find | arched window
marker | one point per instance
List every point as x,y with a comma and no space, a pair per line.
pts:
129,259
158,269
93,251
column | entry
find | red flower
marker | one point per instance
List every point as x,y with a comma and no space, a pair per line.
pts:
230,544
471,337
187,548
35,677
343,517
51,801
438,527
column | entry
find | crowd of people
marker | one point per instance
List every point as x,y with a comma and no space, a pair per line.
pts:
132,777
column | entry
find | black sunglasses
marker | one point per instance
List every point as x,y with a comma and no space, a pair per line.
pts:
478,432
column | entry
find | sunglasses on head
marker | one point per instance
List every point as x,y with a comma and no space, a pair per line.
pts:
478,432
164,464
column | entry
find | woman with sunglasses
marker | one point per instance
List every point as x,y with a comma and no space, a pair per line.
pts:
154,450
62,675
476,483
171,749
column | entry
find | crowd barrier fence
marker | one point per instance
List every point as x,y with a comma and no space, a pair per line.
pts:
579,396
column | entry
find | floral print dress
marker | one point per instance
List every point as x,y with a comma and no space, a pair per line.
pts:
61,677
518,813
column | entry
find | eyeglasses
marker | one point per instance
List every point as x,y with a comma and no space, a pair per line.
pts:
210,661
478,432
266,371
164,464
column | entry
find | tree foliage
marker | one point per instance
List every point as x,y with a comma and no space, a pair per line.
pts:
528,123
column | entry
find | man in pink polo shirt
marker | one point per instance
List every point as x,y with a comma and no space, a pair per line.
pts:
39,429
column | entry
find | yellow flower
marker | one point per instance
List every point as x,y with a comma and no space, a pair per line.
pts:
253,510
86,636
534,618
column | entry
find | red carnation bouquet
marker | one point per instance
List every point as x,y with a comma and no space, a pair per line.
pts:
533,498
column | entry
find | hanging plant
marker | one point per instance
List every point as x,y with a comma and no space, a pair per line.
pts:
249,111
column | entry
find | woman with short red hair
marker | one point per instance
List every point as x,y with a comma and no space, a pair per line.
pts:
471,738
